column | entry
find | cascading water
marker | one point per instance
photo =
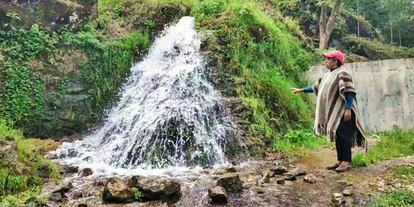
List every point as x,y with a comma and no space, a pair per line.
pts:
168,115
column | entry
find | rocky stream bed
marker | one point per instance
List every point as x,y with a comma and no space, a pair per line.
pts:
275,181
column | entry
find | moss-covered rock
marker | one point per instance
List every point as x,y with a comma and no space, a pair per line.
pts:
54,14
22,167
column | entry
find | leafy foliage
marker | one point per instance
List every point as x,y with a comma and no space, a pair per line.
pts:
23,98
137,194
296,142
396,198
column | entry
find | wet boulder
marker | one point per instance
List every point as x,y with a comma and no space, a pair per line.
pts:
85,172
58,193
217,195
279,170
117,191
67,169
157,188
231,182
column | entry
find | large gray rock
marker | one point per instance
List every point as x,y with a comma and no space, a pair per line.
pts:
117,191
231,182
157,188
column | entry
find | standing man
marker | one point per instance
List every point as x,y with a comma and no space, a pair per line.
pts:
336,114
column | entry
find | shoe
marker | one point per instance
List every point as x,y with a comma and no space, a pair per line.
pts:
333,167
343,169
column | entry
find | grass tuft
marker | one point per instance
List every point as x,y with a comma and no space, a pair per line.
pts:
392,144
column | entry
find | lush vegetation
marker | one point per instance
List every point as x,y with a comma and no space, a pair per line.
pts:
401,197
22,167
22,96
390,145
392,18
137,194
32,75
365,33
258,59
299,142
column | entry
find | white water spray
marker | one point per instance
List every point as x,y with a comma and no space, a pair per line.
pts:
168,115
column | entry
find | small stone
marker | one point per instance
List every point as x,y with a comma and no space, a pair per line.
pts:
266,176
398,185
56,196
280,181
279,170
290,177
297,171
258,190
67,169
349,202
347,192
85,172
218,195
337,199
230,169
311,178
59,191
80,194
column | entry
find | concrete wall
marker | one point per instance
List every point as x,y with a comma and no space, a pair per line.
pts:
385,92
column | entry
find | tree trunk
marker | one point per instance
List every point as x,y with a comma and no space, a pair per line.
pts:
357,12
326,28
399,36
391,33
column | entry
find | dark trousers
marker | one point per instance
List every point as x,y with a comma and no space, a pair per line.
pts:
345,135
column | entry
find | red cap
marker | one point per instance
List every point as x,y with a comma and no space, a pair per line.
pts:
335,54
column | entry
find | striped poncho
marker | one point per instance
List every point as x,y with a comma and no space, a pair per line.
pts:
330,105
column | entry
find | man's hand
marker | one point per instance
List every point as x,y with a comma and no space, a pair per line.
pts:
296,90
347,115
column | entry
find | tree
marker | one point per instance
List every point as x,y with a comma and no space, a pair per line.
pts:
400,13
326,26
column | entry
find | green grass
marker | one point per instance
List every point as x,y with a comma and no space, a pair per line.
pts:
299,142
402,171
391,145
21,185
399,198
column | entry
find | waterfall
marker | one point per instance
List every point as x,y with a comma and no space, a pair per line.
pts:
169,113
